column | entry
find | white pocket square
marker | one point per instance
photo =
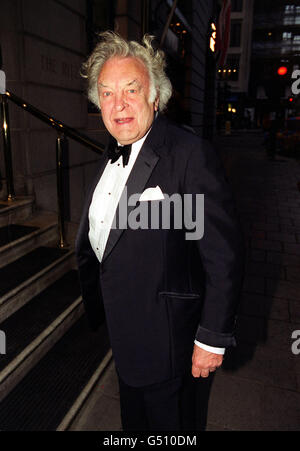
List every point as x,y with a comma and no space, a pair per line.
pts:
152,194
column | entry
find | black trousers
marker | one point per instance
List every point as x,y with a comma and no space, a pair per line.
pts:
167,406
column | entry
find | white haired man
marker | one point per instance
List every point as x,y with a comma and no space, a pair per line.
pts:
170,302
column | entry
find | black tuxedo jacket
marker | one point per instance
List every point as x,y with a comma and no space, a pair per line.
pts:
159,290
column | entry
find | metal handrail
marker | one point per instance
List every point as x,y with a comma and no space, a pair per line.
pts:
63,131
7,148
58,125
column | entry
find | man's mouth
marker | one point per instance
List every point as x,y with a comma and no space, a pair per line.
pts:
123,120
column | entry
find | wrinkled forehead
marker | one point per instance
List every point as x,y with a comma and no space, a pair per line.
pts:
124,69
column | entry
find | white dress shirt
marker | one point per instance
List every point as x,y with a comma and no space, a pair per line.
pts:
104,203
106,198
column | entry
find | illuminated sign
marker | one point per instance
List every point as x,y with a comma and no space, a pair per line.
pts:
213,37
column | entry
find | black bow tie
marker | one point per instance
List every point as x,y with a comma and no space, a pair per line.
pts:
115,151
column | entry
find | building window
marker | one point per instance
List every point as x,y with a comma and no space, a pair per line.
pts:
286,36
291,15
236,6
291,9
235,34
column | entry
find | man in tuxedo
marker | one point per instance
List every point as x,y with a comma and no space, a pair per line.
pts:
169,295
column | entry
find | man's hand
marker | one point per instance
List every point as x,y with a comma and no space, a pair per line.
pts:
204,362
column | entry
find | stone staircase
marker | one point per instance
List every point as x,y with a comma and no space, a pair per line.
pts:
52,361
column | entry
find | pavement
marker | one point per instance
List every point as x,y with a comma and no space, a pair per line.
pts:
258,386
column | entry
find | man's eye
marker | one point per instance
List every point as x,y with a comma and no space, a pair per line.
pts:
106,94
131,91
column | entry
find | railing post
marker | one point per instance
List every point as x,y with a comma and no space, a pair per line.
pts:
5,127
60,141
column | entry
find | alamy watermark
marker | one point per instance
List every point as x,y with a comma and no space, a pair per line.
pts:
176,211
296,344
296,85
2,342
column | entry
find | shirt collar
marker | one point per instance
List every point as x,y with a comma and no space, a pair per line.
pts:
137,145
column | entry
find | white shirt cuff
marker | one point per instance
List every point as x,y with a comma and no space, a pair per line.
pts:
220,351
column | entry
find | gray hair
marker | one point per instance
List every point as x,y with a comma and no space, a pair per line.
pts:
112,44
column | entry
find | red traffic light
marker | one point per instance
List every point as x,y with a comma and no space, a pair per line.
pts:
282,70
291,99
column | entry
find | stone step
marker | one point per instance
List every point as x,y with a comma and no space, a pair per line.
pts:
36,327
18,239
41,401
30,274
101,409
87,395
15,211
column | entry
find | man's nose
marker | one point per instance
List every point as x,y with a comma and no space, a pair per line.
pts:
120,102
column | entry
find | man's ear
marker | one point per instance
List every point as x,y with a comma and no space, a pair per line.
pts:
156,103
